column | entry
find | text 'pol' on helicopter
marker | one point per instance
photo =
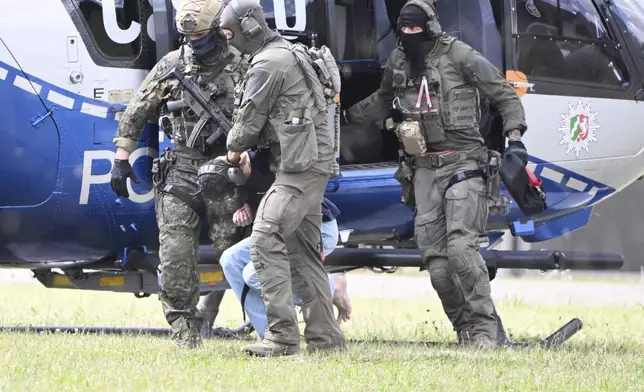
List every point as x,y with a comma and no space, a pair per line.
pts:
64,82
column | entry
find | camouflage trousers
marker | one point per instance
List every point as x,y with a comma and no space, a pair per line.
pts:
285,251
447,225
179,231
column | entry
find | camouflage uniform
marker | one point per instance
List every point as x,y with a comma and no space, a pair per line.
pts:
441,141
283,107
177,218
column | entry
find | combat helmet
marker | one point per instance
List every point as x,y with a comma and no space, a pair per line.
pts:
196,17
201,18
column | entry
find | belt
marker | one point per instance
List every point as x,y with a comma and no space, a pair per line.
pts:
436,160
188,156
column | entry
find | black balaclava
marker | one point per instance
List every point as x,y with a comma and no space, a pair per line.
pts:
209,48
414,44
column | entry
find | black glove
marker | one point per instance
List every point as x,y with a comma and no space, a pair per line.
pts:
517,148
120,172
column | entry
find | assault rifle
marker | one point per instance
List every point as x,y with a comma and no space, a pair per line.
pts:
200,103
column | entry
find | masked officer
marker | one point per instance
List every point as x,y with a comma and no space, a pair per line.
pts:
283,106
431,88
240,272
181,199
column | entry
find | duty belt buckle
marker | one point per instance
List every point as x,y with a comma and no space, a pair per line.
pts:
169,155
438,160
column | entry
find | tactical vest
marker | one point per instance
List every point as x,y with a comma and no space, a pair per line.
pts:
180,124
296,141
436,102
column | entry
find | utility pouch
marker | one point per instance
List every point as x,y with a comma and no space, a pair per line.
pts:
462,109
404,176
298,144
412,138
433,124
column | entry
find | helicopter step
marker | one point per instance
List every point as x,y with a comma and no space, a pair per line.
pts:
137,272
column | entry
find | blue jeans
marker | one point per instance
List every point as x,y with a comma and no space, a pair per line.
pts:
238,269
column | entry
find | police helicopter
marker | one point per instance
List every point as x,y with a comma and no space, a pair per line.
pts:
578,66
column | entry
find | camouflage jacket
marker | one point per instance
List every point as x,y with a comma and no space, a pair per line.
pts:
152,94
278,87
456,74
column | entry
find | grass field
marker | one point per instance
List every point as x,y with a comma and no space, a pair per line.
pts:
608,354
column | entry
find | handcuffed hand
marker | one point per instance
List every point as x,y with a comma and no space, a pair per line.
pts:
243,216
233,158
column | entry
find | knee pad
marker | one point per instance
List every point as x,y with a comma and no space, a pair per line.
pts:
461,257
439,276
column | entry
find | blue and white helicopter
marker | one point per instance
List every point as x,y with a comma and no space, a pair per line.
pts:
68,68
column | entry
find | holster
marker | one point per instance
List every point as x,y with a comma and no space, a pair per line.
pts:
405,177
160,168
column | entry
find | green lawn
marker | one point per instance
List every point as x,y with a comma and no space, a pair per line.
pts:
608,354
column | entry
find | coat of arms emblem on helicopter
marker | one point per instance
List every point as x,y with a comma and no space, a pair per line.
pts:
578,127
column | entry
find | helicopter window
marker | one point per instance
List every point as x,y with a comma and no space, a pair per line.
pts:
114,35
566,39
577,19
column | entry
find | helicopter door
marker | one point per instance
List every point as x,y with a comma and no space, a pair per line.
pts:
166,36
28,132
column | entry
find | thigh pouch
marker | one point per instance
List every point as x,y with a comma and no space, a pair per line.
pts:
160,169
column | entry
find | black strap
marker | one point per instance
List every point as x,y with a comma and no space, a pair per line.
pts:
245,291
464,175
193,201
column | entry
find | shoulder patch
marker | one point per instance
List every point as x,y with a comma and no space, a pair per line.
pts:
256,78
167,64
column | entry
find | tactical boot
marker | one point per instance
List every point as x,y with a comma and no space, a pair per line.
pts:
267,348
483,342
186,333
